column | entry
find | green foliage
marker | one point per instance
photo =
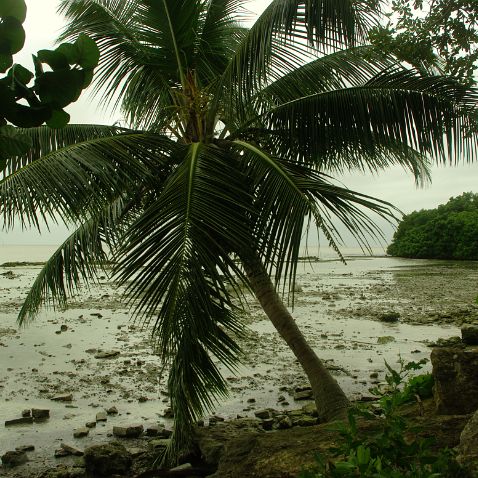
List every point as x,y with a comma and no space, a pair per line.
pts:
442,35
396,450
448,232
27,106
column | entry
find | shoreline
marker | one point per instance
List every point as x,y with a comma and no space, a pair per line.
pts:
337,306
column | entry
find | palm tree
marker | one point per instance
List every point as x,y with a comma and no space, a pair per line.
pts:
232,136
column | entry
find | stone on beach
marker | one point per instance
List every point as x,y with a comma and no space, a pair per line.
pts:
63,397
107,354
81,432
469,334
107,459
71,450
14,458
40,413
129,431
101,416
19,421
456,380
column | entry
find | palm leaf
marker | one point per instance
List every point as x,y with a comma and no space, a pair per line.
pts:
78,260
79,176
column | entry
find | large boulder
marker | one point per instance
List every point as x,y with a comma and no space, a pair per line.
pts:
468,447
107,459
456,379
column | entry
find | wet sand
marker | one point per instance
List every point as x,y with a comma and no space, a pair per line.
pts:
338,307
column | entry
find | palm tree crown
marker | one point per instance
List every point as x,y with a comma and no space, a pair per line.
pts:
233,133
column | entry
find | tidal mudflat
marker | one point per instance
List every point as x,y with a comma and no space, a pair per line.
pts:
96,357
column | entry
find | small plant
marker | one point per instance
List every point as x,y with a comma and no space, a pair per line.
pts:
395,450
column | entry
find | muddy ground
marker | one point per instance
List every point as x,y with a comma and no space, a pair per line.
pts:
338,307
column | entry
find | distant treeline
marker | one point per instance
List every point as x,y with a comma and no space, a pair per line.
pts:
448,232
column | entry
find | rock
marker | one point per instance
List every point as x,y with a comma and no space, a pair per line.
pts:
160,443
469,334
263,414
142,399
183,467
26,413
385,339
62,471
310,409
284,423
130,431
71,450
40,413
107,354
64,328
456,380
107,459
61,453
90,424
63,397
14,458
268,423
168,413
101,416
153,430
389,317
306,421
468,447
25,448
303,395
81,432
19,421
112,411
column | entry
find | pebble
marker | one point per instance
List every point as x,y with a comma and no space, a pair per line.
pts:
40,413
64,397
14,458
101,416
19,421
81,432
130,431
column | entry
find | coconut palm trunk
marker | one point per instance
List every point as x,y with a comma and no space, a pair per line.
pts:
329,398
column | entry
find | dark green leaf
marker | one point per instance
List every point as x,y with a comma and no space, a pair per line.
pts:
88,51
21,74
70,51
13,8
6,62
59,119
12,36
54,59
60,88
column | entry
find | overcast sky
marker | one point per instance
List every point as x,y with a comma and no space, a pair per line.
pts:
42,27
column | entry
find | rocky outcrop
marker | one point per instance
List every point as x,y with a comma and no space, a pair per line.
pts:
468,447
456,379
107,459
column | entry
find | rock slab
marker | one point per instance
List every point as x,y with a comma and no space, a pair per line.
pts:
107,459
468,447
456,379
14,458
130,431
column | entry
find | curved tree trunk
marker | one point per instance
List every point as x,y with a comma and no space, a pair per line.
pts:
329,397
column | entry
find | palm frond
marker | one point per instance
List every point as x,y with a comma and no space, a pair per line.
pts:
289,196
76,262
70,182
287,28
383,121
175,262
